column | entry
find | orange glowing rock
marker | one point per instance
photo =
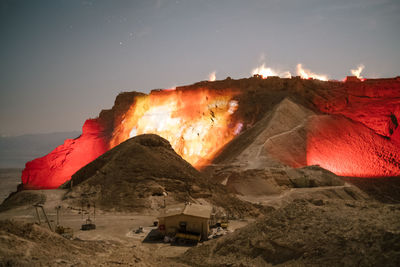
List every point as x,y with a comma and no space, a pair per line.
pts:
197,123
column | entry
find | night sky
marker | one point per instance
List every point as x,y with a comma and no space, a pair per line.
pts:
62,61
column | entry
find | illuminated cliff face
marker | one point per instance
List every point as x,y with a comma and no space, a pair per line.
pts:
349,148
199,120
57,167
197,123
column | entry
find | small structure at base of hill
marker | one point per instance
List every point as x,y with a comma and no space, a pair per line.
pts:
352,79
185,221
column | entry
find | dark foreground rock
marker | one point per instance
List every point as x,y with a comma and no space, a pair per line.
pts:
310,233
27,244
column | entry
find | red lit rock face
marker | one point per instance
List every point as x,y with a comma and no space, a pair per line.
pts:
56,168
348,148
366,143
374,103
297,137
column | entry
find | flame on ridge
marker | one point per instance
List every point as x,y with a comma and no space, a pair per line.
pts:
197,123
302,72
307,74
212,76
357,72
266,72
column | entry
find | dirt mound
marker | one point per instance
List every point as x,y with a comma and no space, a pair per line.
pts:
264,182
145,155
316,233
143,172
136,173
313,176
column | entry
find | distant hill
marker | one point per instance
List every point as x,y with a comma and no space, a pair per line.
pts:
15,151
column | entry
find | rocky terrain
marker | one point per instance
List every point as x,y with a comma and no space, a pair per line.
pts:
385,190
310,233
27,244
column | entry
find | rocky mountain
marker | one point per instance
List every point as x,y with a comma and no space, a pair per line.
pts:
349,128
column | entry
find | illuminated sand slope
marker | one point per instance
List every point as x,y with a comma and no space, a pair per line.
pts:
360,137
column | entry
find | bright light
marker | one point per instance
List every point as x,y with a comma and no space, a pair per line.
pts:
357,72
307,74
212,77
267,72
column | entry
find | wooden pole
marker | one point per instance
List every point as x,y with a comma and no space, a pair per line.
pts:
37,214
45,216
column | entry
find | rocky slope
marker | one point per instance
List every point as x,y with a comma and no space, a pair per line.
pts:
315,233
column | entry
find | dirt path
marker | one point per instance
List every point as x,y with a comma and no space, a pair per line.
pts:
287,196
